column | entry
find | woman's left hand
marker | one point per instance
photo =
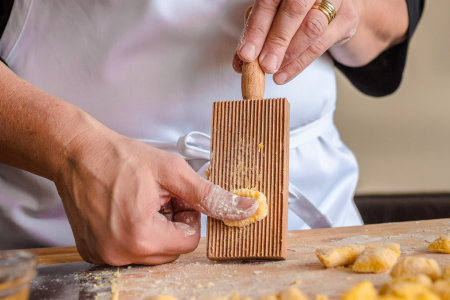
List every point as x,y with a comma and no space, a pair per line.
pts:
288,35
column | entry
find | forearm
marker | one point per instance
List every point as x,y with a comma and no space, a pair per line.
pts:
382,24
38,130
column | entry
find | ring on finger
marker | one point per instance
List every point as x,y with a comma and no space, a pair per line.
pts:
327,8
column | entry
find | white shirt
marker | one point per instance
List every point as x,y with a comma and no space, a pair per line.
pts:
150,70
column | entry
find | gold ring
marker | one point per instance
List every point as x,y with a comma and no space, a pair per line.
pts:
327,8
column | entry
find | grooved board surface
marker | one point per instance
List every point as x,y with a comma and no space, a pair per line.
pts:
250,149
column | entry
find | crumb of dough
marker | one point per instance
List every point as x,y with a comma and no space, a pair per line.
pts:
421,279
321,297
260,146
410,290
338,256
260,213
163,297
446,272
393,246
362,291
375,260
272,296
292,294
441,244
207,173
415,265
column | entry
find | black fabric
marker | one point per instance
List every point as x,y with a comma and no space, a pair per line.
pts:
383,75
5,12
400,208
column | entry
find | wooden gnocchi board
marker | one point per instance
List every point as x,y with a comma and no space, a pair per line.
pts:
193,276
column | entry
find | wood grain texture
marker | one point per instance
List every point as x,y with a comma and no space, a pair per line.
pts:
250,149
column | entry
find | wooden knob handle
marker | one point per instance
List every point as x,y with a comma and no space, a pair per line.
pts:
253,77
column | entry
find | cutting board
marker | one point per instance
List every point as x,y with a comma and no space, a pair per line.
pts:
193,276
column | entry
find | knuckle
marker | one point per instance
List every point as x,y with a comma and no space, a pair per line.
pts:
268,5
257,30
279,41
314,27
318,47
295,8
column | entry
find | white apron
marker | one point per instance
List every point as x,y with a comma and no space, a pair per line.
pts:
150,70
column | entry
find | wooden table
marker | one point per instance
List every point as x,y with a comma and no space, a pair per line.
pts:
63,275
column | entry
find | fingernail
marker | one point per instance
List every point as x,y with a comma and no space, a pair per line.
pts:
245,203
248,51
270,62
281,78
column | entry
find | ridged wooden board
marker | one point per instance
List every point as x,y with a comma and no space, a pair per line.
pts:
250,149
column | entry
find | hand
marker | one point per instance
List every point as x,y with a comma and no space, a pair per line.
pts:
288,35
128,202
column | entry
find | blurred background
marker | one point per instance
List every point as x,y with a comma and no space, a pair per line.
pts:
402,142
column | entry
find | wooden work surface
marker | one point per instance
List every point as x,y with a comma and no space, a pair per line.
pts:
193,275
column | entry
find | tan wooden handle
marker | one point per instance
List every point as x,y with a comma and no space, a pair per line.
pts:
253,77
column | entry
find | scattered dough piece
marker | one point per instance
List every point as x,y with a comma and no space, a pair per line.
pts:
163,297
362,291
375,260
412,291
446,272
442,288
260,213
292,294
321,297
339,256
272,296
393,246
415,265
419,279
441,244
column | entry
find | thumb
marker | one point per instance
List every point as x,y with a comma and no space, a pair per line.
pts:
208,198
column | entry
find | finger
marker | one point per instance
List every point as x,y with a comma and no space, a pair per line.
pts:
256,29
333,34
313,26
237,63
286,23
179,179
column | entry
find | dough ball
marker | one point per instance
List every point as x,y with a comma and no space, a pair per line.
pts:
393,246
442,288
446,272
415,265
441,244
260,213
419,279
413,291
292,294
338,256
362,291
375,260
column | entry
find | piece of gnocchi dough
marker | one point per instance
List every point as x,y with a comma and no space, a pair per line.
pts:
413,291
260,213
420,279
446,272
375,260
338,256
441,244
415,265
442,288
292,294
393,246
362,291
